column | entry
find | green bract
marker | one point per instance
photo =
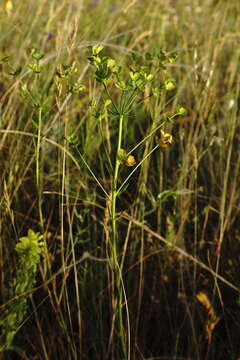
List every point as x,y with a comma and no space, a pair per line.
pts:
181,110
170,84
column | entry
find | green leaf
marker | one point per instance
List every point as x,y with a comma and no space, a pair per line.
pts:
72,140
181,110
96,49
35,124
108,102
16,72
111,63
136,57
134,76
116,69
92,103
148,77
172,58
169,84
5,59
149,56
161,56
102,74
24,92
35,68
121,85
35,54
156,91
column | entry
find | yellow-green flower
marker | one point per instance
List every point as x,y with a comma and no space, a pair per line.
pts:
165,139
169,84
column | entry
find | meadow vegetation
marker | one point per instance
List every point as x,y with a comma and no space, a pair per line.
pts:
119,179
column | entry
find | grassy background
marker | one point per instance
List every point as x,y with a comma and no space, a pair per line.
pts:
178,223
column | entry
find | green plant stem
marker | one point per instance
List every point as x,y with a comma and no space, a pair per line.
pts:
39,188
116,268
92,173
115,178
38,175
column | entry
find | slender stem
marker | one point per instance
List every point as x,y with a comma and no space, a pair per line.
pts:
116,268
115,178
39,186
47,263
38,175
92,173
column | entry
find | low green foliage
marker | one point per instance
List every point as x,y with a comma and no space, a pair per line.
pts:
29,249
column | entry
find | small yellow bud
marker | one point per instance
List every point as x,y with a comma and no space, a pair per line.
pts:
130,161
9,7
